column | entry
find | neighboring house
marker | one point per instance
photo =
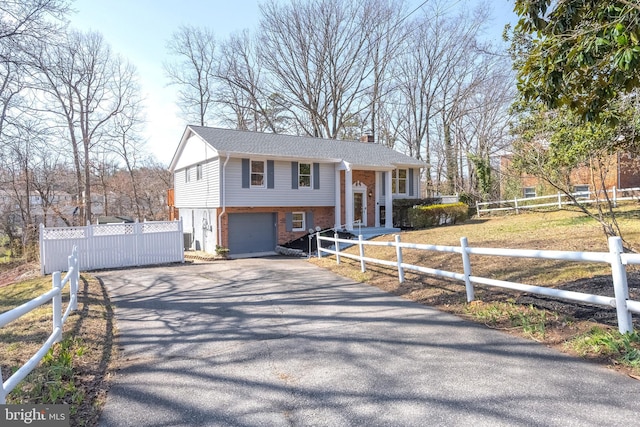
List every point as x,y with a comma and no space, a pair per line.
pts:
250,191
622,171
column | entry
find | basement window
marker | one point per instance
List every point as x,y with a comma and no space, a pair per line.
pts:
581,191
298,221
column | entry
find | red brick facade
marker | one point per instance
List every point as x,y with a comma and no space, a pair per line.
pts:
621,171
322,216
367,178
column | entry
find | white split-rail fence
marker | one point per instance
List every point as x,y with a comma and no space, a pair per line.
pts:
58,319
112,245
616,258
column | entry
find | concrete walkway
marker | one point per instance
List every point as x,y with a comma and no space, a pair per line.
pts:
280,342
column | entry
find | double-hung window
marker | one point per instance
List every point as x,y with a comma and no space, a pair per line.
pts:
399,181
198,172
187,175
581,191
304,175
529,192
257,173
298,221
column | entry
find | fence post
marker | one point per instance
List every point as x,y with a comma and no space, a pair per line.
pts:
615,196
335,237
318,244
74,278
478,209
515,202
363,267
42,256
399,256
56,303
620,286
559,201
137,233
90,253
466,264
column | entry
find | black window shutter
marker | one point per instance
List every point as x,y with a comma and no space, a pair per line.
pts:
289,221
246,174
309,219
270,174
411,182
294,175
316,176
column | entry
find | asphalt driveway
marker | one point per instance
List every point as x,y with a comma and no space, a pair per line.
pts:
280,342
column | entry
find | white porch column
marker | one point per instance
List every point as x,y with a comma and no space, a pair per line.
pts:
388,201
338,203
376,201
348,199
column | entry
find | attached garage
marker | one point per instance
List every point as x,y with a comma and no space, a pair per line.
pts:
251,233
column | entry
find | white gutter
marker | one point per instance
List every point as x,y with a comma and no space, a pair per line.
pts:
224,200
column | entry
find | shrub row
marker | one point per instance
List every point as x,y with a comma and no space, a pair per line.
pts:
433,215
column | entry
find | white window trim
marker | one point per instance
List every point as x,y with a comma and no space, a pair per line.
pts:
264,173
304,220
581,193
198,171
524,192
310,175
187,174
395,182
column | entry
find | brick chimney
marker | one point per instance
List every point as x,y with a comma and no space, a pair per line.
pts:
367,138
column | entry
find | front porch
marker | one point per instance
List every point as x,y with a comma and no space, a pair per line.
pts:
362,198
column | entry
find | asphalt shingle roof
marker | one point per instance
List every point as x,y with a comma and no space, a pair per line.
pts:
229,141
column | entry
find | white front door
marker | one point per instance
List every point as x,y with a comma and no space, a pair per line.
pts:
360,207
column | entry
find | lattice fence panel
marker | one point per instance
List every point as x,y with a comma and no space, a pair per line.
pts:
112,245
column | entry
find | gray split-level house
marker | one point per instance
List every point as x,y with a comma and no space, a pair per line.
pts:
250,191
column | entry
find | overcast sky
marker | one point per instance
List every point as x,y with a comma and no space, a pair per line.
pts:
139,30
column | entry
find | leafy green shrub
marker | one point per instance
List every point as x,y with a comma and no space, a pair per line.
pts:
434,215
401,209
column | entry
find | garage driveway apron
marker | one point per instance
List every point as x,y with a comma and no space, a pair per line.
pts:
280,342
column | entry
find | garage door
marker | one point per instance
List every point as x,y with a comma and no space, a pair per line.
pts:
252,232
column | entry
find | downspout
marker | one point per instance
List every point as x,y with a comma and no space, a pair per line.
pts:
224,200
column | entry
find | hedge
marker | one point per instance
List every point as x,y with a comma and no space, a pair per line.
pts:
434,215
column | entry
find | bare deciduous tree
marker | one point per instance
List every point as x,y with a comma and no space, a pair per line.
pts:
316,54
243,90
89,87
194,71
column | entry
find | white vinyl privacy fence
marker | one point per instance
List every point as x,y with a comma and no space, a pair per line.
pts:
616,258
112,245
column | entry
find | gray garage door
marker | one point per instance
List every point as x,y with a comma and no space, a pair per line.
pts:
252,232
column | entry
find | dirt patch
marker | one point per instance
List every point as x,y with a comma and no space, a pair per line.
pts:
18,271
564,319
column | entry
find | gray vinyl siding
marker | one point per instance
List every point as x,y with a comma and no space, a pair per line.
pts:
282,194
202,227
198,193
417,191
